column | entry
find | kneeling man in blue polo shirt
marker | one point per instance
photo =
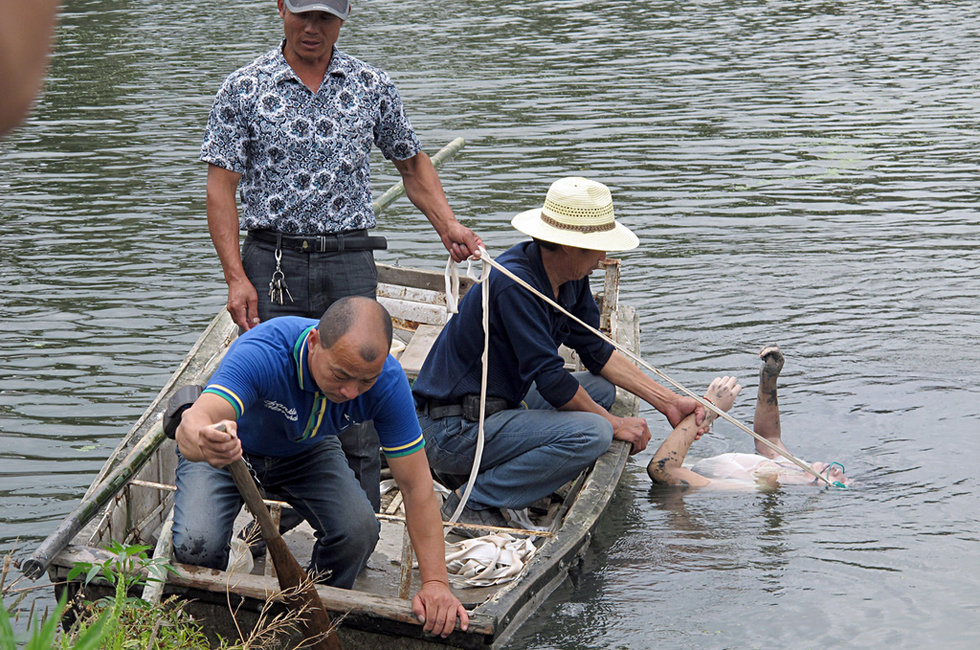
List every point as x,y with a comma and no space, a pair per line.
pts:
543,424
284,390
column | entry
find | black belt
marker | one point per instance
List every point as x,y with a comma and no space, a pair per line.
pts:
352,240
467,406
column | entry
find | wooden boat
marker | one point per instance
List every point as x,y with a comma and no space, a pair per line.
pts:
131,498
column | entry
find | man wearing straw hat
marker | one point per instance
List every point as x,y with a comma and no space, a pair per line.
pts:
543,424
292,132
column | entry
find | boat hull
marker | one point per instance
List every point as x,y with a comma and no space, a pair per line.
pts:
231,604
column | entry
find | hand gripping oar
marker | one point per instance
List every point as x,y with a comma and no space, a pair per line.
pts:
291,575
288,571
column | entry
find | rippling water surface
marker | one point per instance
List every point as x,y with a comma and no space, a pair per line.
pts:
800,173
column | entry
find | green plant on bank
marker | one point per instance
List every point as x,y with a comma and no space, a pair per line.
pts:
132,622
44,635
124,622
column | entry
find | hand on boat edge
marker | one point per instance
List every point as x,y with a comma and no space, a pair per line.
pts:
438,609
634,431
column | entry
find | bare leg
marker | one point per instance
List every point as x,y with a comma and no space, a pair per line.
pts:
766,422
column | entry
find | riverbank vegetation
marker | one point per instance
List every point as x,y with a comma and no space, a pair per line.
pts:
123,621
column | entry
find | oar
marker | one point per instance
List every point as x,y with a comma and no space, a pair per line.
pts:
291,575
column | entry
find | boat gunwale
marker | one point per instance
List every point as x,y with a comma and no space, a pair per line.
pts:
494,619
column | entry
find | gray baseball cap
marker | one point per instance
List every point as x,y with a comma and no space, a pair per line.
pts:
339,8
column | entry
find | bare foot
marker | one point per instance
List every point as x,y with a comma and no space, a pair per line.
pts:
772,360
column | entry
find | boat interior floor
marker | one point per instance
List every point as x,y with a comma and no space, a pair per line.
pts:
383,574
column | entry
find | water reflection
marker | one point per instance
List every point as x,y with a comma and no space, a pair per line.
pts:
800,173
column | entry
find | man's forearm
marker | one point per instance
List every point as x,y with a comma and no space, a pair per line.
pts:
582,401
424,190
422,516
620,371
425,530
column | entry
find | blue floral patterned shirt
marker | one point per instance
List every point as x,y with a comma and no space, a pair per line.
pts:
304,156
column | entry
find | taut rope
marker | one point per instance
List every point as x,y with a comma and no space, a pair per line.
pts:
487,261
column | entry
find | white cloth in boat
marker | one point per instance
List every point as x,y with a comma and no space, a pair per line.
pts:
488,560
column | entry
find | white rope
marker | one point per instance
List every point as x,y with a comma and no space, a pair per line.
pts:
478,455
485,258
452,287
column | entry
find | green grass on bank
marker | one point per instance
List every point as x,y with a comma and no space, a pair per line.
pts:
124,622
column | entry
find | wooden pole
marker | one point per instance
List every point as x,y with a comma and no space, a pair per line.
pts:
396,190
290,574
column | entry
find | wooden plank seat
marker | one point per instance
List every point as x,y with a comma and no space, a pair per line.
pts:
418,349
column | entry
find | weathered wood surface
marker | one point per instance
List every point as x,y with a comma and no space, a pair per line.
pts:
337,601
418,349
374,609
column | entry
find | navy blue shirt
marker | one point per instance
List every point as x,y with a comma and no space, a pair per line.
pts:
525,333
280,410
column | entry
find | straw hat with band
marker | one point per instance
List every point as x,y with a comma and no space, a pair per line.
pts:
577,212
339,8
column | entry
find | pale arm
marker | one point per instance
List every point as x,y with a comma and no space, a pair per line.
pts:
424,189
224,226
434,604
199,441
665,467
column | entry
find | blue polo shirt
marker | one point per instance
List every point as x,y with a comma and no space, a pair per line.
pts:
525,333
266,378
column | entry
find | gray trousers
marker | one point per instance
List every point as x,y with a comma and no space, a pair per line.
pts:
316,281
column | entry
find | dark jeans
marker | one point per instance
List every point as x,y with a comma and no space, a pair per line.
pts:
317,483
528,453
316,281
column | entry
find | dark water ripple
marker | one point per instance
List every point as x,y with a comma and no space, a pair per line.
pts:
800,173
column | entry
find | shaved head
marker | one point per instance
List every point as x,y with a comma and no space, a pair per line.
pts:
365,319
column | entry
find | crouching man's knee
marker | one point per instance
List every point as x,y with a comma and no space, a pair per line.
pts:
602,436
200,548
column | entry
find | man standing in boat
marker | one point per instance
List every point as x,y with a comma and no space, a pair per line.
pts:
543,424
292,132
284,390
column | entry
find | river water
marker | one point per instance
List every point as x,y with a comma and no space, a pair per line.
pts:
798,172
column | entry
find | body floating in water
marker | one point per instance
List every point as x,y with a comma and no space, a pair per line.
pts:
764,468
